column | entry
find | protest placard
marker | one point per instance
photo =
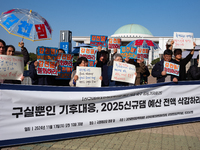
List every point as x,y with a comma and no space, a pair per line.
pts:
65,66
142,53
171,68
114,43
123,72
183,40
88,77
98,40
11,67
130,52
47,58
90,54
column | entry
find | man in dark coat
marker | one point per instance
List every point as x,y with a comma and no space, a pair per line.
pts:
194,71
158,69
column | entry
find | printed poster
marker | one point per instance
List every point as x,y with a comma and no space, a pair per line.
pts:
171,68
90,54
65,66
130,52
98,40
142,52
114,43
47,59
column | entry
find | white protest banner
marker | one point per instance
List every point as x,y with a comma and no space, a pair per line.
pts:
171,68
123,72
88,77
183,40
41,113
11,67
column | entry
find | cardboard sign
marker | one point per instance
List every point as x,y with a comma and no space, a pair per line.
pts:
130,52
142,52
123,72
90,54
183,40
171,68
114,43
98,40
47,58
88,77
11,67
65,66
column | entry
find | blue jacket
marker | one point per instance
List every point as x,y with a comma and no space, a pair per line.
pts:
157,69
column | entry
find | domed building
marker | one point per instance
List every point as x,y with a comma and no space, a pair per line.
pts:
132,30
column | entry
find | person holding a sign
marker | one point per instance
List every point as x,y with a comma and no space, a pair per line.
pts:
103,60
182,62
158,69
110,63
2,47
140,68
82,62
99,48
10,51
117,58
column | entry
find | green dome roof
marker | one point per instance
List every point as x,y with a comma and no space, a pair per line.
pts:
133,29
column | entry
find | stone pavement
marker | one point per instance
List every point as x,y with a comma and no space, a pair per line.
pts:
175,137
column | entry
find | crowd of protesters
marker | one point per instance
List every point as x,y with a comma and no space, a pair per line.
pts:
106,65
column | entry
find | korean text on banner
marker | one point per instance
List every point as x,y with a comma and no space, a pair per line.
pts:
130,52
123,72
114,43
47,58
11,67
90,54
42,113
98,40
88,77
65,66
171,68
183,40
142,53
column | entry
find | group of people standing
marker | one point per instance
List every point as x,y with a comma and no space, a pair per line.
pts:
10,51
158,69
106,65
